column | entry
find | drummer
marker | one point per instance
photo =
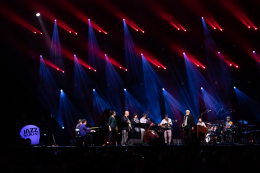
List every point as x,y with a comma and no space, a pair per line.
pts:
228,124
201,123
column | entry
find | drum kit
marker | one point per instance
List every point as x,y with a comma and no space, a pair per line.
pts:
240,132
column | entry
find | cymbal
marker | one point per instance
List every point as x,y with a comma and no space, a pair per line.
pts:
242,121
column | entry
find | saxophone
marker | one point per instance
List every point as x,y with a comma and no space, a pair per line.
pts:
129,124
183,124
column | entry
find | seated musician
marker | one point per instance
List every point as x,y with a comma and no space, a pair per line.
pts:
135,131
145,121
167,123
77,128
201,123
84,133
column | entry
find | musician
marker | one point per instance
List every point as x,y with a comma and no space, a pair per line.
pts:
135,131
77,127
228,126
201,123
84,132
167,123
126,124
144,121
189,124
112,127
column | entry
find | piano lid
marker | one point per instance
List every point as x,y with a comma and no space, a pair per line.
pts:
103,119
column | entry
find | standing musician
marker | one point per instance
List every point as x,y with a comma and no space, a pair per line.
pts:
166,124
188,124
135,131
125,128
145,121
201,123
228,129
84,133
112,127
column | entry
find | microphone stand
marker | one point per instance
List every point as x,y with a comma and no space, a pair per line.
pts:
204,112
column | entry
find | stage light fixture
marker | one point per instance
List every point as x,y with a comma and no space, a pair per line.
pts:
57,68
99,31
123,19
136,29
89,68
179,29
41,56
230,64
204,67
158,66
183,53
55,20
235,87
255,28
34,32
69,31
198,65
61,90
38,14
218,52
142,54
74,54
76,33
94,90
201,88
41,33
221,29
143,31
237,66
201,17
215,28
125,69
95,70
253,51
88,19
164,68
249,26
105,32
62,127
162,88
185,30
124,89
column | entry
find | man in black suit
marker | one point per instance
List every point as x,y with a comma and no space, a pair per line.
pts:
189,124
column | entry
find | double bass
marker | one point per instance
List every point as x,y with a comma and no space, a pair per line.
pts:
148,132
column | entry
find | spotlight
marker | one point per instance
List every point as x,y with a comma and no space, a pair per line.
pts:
61,90
34,32
41,33
249,26
198,65
162,88
88,19
74,54
204,67
253,51
76,33
105,32
125,69
255,28
136,29
63,71
183,53
143,31
120,67
185,30
237,66
164,68
105,54
235,87
69,31
158,66
123,19
99,31
201,88
41,56
89,68
95,70
55,20
201,17
218,52
215,28
142,54
230,64
57,68
38,14
221,29
124,89
94,90
62,127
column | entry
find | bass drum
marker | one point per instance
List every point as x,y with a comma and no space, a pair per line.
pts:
207,138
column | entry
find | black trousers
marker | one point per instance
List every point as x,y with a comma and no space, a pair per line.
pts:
188,132
88,138
112,136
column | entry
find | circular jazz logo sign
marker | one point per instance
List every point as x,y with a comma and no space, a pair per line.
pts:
32,132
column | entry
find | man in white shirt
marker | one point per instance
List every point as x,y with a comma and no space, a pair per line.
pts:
166,124
145,121
201,123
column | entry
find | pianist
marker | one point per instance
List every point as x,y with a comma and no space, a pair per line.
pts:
84,133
